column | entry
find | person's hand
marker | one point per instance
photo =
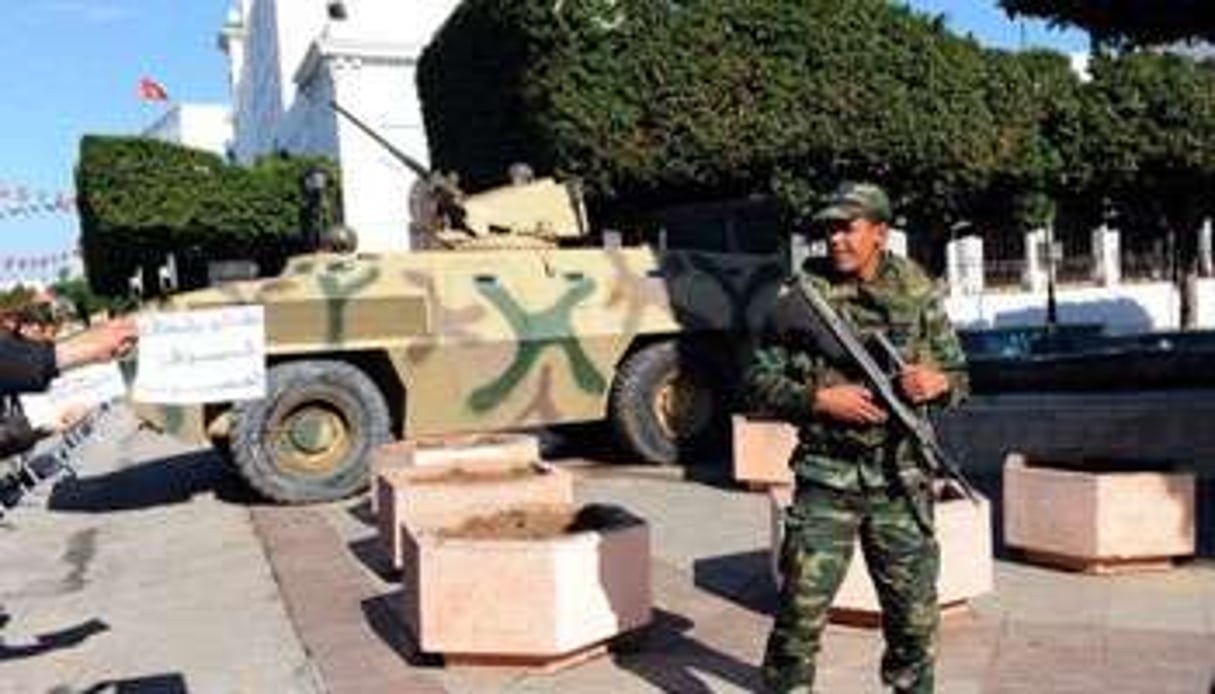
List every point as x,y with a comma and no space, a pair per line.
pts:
100,343
120,336
848,403
922,383
70,416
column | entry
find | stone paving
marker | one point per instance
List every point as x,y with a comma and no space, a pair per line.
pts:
157,572
143,576
1040,631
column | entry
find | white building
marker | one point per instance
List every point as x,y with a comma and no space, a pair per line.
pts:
289,58
201,126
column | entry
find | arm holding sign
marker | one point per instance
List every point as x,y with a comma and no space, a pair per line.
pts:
98,344
29,365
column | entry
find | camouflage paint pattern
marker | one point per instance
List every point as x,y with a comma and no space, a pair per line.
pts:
904,561
491,339
903,302
857,480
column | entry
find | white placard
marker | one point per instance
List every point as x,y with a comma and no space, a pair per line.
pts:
78,389
207,355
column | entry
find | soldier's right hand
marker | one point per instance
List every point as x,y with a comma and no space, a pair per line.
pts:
848,403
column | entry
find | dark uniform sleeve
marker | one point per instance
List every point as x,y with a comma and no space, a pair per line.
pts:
25,366
946,351
782,377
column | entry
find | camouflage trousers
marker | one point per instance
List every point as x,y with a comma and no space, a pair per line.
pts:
903,560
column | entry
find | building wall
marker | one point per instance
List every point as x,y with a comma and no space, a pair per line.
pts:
1123,309
257,90
292,58
202,126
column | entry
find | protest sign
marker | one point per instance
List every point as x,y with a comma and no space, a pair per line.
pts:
206,355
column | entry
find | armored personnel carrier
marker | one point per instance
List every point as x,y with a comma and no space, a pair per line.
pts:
503,325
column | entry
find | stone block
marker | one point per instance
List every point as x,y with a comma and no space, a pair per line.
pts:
521,598
467,449
963,531
1098,520
434,496
761,450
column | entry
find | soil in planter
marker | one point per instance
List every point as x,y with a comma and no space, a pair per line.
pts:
480,475
521,523
458,443
540,522
1102,465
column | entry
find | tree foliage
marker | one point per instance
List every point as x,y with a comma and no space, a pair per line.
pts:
651,101
1137,22
1036,100
654,102
141,199
1149,144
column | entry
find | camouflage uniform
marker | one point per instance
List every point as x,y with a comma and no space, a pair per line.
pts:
857,479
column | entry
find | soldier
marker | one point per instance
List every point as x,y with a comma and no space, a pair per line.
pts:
856,474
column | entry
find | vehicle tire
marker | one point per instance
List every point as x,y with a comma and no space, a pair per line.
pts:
669,401
310,439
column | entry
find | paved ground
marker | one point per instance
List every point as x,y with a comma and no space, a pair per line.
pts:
157,573
146,577
1040,631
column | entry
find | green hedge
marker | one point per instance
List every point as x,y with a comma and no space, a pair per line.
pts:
652,102
656,102
141,199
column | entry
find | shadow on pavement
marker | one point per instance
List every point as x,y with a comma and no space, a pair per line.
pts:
172,683
593,440
372,554
361,512
666,657
744,578
54,641
172,480
381,614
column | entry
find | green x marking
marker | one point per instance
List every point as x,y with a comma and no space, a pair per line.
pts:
535,333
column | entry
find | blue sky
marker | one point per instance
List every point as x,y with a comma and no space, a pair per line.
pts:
72,67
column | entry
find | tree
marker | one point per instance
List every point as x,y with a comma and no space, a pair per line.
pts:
1035,99
652,102
1149,146
141,199
84,303
1134,22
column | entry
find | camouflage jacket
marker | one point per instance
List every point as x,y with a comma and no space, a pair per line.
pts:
902,301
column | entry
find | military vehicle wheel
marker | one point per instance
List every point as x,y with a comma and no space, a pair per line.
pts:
668,401
311,437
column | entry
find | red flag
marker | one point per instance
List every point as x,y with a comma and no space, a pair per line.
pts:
150,90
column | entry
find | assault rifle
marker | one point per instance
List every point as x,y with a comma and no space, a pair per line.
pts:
838,341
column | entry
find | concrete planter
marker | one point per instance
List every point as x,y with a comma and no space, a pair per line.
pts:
1098,521
464,449
761,451
967,568
521,599
435,496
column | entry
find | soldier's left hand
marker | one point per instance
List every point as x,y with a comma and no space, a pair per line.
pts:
922,383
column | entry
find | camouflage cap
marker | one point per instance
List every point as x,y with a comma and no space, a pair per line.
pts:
852,200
